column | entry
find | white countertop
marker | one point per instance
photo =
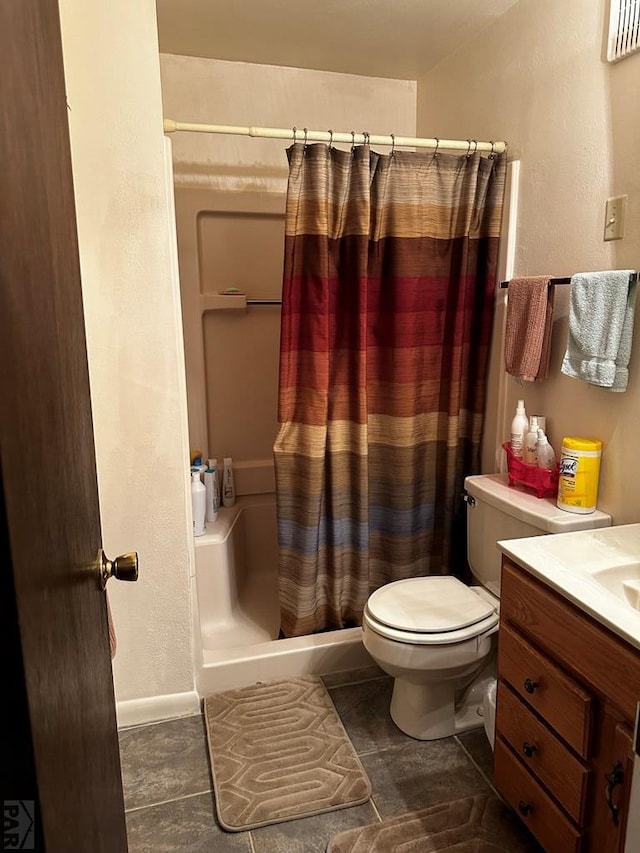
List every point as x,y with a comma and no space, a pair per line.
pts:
571,563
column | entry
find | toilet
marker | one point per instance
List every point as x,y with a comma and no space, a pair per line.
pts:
436,636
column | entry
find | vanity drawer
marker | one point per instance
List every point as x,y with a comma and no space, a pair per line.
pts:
611,667
542,753
563,703
539,813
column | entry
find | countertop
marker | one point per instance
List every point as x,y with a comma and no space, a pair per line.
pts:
571,564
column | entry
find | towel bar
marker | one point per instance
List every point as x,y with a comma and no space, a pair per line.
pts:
567,280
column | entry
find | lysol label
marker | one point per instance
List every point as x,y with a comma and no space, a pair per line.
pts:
568,466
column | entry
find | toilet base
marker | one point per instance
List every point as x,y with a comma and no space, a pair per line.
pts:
433,711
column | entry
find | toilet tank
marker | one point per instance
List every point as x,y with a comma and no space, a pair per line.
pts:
498,511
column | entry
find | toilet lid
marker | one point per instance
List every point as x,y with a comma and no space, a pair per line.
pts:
428,605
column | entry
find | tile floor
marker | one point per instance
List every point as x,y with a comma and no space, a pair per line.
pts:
168,792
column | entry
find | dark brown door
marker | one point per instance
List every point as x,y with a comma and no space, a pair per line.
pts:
60,754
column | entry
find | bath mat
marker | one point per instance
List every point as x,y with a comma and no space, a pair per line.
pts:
279,751
478,824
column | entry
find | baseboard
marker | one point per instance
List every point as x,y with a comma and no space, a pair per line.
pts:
151,709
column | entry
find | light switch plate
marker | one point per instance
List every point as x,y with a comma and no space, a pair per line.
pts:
615,210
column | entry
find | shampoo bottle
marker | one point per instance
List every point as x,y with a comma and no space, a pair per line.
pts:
546,453
213,463
228,482
530,453
519,430
211,486
198,503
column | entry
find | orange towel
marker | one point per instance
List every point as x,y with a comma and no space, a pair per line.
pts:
527,341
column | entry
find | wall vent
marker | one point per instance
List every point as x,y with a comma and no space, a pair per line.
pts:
624,29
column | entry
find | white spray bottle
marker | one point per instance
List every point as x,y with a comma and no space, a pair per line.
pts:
546,453
519,430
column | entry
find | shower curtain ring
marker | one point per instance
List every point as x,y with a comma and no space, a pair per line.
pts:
353,141
366,137
492,155
393,144
294,131
468,149
435,153
305,136
330,139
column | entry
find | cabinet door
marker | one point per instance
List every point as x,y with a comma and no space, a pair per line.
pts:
613,769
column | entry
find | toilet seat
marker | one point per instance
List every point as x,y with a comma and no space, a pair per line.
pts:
438,609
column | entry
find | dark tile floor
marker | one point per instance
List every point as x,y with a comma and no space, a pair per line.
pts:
169,799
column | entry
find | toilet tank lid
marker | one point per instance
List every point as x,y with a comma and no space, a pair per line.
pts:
542,513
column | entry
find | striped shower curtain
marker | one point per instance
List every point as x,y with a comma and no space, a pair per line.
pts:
388,294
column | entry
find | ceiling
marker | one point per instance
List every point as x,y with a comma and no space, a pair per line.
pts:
377,38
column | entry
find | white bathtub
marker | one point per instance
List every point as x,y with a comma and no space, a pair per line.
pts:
236,608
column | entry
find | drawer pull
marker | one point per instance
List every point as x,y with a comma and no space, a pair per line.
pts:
529,749
524,808
530,686
613,779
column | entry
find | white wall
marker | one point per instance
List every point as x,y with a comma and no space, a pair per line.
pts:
240,93
537,78
134,334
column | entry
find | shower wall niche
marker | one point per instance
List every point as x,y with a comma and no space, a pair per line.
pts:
232,240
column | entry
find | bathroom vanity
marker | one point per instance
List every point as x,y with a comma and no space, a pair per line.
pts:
569,684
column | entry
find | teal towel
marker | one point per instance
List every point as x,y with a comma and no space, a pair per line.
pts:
601,310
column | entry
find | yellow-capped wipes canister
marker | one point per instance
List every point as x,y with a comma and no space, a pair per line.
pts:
579,474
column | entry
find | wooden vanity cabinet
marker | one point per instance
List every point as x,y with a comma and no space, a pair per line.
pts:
566,702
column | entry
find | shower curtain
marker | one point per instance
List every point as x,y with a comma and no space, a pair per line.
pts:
388,293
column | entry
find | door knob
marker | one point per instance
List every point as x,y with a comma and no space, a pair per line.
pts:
123,568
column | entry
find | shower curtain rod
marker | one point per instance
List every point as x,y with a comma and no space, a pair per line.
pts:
305,135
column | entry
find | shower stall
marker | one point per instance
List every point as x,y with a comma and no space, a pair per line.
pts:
230,255
230,241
